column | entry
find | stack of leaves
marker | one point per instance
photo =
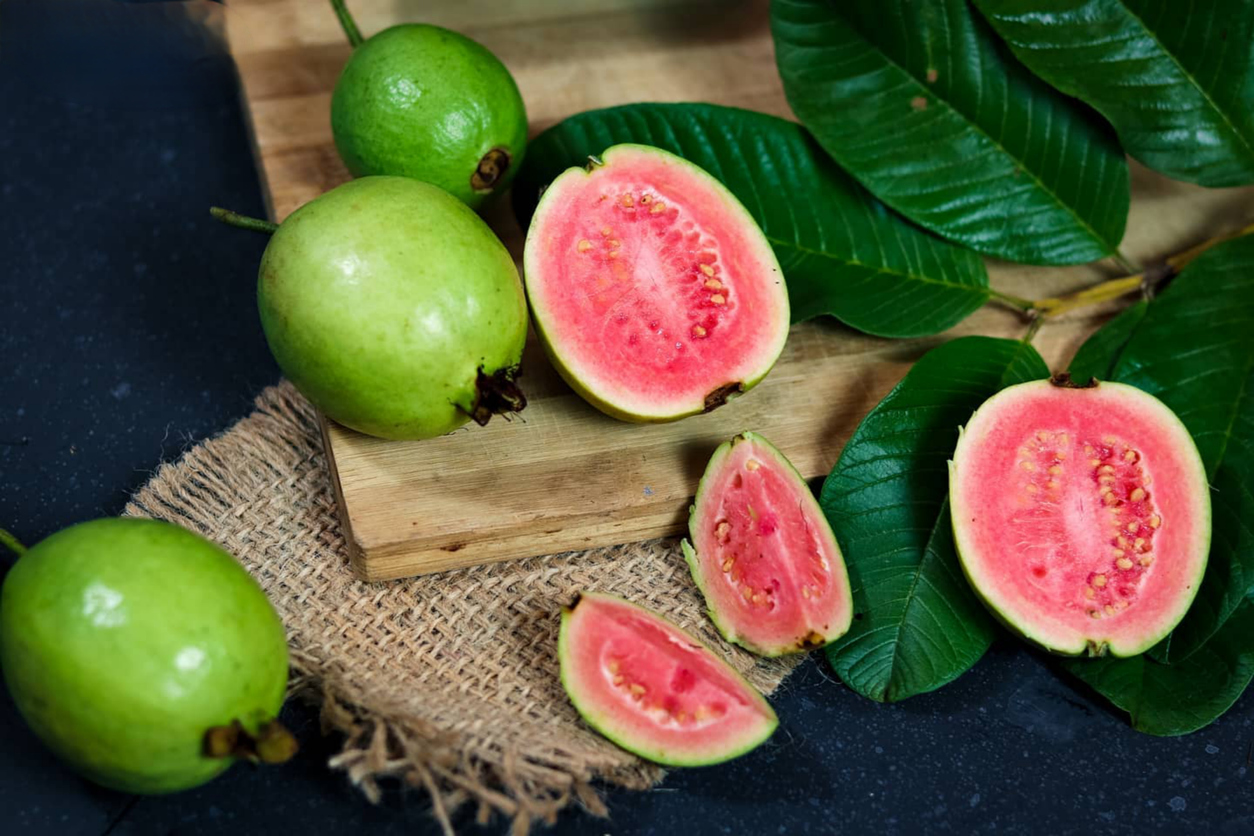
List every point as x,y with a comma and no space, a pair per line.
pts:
934,131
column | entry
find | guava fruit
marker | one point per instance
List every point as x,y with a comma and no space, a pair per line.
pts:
394,309
142,654
424,102
763,553
1081,514
655,690
653,290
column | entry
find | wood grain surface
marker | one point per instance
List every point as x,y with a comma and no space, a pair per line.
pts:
563,476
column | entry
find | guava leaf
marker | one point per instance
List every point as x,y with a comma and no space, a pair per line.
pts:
843,253
1193,348
919,624
1180,698
921,103
1176,79
1229,577
1100,352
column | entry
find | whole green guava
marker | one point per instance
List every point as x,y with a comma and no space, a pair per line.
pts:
394,309
124,642
424,102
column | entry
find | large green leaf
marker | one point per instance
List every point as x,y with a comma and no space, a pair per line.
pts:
919,623
1193,347
1100,352
842,252
1229,577
1175,78
921,102
1183,697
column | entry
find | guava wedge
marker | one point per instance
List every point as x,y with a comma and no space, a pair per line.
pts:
1081,514
655,690
763,553
653,290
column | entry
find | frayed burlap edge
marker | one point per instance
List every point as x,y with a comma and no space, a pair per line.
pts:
448,683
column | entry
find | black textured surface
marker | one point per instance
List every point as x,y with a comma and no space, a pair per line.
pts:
128,331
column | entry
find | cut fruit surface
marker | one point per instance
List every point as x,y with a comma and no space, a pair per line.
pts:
1081,515
654,291
654,689
764,554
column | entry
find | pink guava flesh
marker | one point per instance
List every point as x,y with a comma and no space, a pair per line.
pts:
653,289
1081,515
763,553
655,690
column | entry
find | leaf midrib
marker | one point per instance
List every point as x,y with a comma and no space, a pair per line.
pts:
982,289
1241,395
927,91
1193,81
1138,696
1236,410
928,553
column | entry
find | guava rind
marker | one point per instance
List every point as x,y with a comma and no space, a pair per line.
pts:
771,331
421,101
808,635
384,300
604,724
1188,517
124,640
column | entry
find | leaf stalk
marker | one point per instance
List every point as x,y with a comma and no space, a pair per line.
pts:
12,543
239,221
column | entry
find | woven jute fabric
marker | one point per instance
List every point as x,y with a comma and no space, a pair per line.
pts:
447,682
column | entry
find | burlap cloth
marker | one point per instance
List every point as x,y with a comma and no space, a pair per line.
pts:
447,682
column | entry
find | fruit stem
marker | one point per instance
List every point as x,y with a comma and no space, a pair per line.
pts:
1146,281
12,543
242,221
347,23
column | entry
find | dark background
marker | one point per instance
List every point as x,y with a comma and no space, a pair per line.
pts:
128,332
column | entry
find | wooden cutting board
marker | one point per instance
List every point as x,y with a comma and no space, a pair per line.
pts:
563,476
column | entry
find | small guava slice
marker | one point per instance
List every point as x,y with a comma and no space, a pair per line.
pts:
653,290
133,647
655,690
763,553
1081,514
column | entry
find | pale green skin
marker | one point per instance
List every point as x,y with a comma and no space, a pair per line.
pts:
424,102
383,298
124,640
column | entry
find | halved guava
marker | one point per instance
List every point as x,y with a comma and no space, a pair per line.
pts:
1081,514
655,690
763,554
653,290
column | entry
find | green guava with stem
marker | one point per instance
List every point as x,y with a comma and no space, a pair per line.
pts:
143,655
393,307
421,101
